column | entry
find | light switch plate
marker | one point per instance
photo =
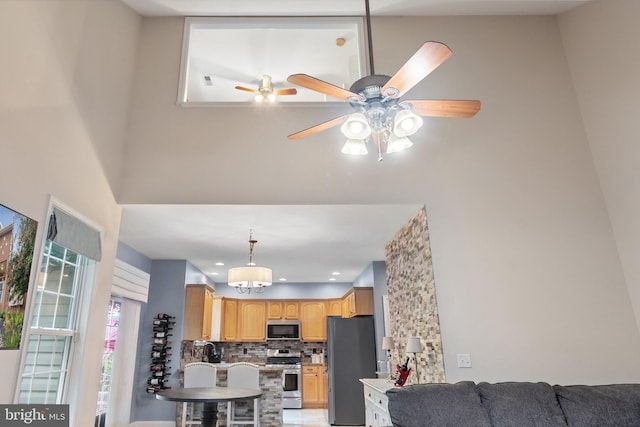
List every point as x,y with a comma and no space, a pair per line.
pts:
464,360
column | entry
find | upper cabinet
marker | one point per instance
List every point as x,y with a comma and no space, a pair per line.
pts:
334,307
358,302
313,324
229,325
229,319
198,311
252,320
288,310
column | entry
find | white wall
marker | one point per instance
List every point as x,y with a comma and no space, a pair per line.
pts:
65,79
527,273
600,39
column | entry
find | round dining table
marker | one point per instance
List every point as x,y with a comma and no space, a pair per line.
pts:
210,396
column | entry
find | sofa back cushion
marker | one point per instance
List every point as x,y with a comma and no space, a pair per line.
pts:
604,405
521,404
437,405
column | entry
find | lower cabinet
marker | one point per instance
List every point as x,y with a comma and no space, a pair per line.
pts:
314,390
376,402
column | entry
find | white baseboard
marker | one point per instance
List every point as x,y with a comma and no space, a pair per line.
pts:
153,424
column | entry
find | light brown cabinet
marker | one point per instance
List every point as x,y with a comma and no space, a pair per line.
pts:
313,316
288,310
229,326
314,391
252,320
334,307
198,310
358,302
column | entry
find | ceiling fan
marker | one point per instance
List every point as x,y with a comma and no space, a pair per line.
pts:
379,112
265,91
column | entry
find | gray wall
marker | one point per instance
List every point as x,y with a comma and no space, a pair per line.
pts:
289,290
132,257
166,295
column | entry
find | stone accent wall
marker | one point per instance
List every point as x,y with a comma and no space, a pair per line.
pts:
413,308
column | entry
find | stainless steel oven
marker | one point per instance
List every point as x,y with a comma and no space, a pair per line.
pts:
292,388
290,362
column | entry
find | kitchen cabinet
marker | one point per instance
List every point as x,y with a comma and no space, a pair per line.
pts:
229,316
314,392
252,320
358,302
287,310
313,320
198,310
324,387
334,307
291,310
376,402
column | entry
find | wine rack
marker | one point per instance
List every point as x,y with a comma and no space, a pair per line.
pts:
160,355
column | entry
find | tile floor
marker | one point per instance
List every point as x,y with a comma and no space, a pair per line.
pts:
305,418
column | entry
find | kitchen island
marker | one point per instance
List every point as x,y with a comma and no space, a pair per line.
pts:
270,401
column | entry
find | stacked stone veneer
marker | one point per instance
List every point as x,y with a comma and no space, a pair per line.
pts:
413,308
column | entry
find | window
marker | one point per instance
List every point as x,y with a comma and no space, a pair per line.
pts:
111,333
63,274
222,53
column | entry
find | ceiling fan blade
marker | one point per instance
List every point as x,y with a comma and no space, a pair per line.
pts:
321,86
290,91
429,57
246,89
318,128
443,108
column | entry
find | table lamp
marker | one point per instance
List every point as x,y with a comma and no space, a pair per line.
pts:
414,346
387,345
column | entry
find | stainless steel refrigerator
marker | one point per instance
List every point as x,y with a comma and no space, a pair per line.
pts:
351,355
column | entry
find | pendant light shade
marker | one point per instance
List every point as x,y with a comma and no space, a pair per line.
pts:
251,276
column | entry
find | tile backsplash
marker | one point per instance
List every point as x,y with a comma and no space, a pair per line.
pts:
254,352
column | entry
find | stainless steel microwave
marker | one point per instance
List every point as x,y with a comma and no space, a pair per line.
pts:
283,330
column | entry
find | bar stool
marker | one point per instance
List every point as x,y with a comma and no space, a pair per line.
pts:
243,375
196,374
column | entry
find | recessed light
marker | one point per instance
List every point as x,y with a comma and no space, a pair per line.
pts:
220,264
213,273
282,279
333,279
335,273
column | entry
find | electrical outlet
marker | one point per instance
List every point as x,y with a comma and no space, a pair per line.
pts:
464,360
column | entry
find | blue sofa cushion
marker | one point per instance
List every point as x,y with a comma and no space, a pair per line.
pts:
437,405
521,404
604,405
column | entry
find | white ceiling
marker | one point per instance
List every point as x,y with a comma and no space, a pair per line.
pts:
300,243
349,7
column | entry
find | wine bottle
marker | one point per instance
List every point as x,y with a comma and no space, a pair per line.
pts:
158,367
160,341
159,354
160,360
159,373
157,381
163,334
158,347
164,322
164,316
152,389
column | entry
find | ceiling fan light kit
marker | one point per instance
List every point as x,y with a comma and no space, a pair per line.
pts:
265,92
380,115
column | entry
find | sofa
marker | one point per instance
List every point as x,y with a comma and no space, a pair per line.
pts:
516,404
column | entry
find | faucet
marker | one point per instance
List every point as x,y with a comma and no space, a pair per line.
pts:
206,356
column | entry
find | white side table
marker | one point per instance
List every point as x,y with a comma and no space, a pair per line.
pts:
375,401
